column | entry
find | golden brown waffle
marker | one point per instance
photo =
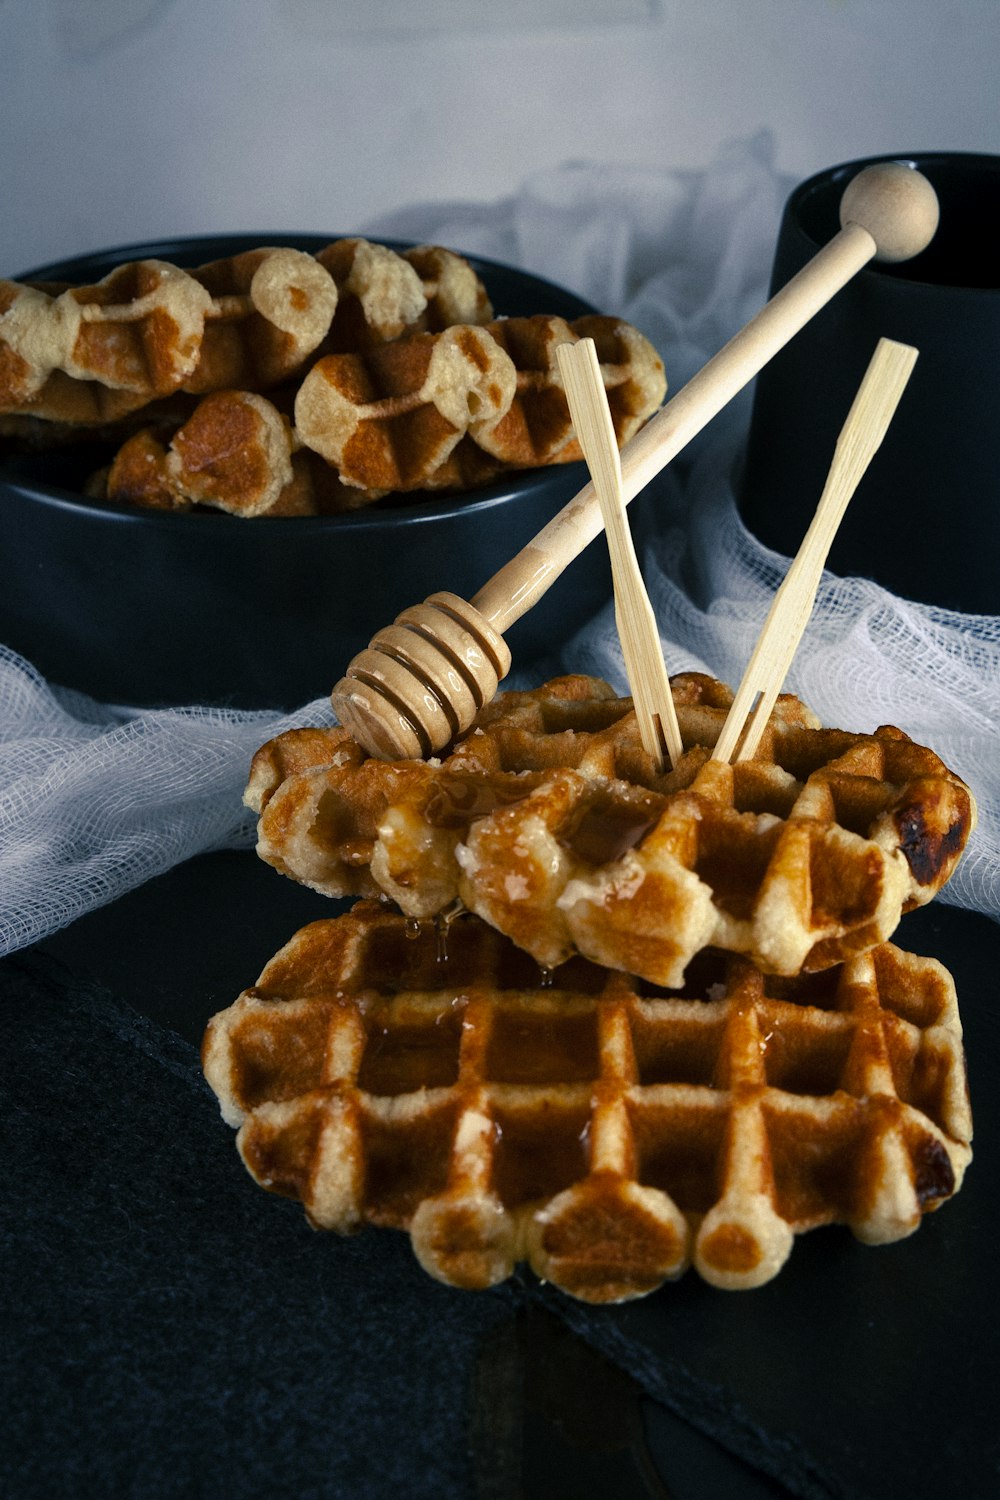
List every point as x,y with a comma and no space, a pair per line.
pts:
91,355
271,309
235,452
538,428
391,418
383,295
550,821
605,1132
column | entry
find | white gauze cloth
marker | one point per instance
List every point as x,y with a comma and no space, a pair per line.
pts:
95,800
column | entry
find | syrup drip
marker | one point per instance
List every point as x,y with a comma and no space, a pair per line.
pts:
412,928
545,977
442,923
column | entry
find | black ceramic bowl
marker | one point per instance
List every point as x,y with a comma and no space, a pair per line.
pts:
149,608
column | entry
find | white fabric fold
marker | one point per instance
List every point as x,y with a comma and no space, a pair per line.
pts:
95,799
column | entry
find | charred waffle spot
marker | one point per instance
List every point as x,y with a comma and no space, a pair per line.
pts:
929,849
934,1177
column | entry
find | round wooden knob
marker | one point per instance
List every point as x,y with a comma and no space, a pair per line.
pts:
422,680
897,206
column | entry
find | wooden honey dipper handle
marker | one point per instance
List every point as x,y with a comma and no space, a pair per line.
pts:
424,679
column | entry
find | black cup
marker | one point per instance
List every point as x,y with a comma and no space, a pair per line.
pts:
925,522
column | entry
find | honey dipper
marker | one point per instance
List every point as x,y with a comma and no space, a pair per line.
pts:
423,679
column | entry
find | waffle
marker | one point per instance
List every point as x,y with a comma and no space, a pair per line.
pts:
271,309
92,354
550,821
235,452
89,354
392,417
383,295
538,428
605,1132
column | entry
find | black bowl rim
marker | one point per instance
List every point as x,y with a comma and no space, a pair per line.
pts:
845,171
366,518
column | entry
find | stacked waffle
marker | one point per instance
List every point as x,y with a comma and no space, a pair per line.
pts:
622,1021
281,383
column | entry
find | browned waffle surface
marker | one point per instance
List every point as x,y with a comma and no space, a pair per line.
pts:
236,452
90,355
550,821
383,295
391,416
606,1132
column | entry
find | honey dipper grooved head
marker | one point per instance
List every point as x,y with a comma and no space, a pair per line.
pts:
422,680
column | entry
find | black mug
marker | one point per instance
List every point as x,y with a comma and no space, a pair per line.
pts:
925,521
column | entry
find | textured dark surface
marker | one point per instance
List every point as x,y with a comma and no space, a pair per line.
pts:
170,1330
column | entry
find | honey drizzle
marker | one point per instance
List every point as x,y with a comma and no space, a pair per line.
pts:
442,922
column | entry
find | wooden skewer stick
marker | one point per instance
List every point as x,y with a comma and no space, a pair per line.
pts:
423,679
637,631
860,438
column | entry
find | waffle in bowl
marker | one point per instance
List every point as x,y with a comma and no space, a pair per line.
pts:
383,294
235,452
605,1131
436,412
391,417
92,355
549,821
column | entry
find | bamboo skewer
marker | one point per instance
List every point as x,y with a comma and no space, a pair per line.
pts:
860,438
423,679
637,630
